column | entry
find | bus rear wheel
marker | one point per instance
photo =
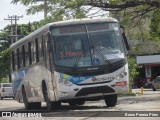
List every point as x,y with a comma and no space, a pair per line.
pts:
153,88
111,100
32,105
1,97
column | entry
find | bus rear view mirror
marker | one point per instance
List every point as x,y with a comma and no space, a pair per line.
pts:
124,37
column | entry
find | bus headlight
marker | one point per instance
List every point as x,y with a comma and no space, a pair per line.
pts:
121,76
65,82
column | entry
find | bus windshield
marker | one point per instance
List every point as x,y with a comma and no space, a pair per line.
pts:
87,45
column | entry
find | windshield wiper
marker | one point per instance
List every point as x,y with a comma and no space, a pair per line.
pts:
100,53
103,56
77,60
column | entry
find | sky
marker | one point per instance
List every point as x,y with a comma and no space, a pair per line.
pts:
6,8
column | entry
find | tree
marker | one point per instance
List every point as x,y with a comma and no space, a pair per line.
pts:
155,26
45,6
4,64
132,66
49,7
133,14
141,6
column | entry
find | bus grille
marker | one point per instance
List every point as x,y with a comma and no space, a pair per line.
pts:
94,90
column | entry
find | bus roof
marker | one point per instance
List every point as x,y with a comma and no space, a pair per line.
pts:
62,23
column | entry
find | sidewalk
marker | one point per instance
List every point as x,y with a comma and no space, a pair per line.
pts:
145,91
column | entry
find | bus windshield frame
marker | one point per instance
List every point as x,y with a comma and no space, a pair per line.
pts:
87,45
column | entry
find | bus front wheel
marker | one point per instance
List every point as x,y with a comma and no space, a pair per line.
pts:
50,105
73,103
153,88
111,100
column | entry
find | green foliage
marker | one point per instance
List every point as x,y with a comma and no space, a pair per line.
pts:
155,26
23,29
133,69
65,8
34,9
4,64
127,93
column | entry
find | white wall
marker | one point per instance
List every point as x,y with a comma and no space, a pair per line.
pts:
148,59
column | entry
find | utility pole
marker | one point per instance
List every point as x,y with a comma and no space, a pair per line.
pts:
45,9
15,18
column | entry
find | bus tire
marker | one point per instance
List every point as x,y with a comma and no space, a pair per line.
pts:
81,102
26,104
50,105
153,88
111,100
73,103
1,97
46,96
30,106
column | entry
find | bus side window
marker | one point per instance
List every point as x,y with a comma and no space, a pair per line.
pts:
40,48
37,50
23,56
43,47
18,58
13,61
46,53
29,53
26,55
33,52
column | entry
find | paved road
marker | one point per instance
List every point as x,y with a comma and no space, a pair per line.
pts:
148,103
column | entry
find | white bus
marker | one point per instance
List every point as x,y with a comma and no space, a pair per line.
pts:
71,62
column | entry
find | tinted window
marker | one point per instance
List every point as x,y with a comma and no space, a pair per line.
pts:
40,48
37,50
23,56
33,52
18,58
29,53
26,55
13,61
